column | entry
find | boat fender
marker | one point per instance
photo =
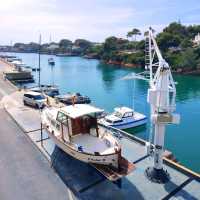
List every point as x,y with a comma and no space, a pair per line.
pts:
107,142
80,148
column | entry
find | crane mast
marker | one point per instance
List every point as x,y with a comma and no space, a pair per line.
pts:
161,97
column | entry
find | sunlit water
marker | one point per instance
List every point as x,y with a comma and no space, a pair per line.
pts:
103,84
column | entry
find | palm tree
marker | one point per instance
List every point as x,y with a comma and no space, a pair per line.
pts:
129,34
136,32
132,33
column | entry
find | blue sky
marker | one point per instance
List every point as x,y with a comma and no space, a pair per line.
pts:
23,20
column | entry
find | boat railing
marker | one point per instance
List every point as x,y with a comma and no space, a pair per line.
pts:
120,134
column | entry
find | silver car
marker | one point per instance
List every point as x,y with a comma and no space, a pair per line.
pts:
34,99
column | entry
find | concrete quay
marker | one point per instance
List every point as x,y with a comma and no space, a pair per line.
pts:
27,164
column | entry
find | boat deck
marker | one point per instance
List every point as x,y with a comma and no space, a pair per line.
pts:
91,144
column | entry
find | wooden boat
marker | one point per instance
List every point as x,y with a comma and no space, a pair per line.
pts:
75,130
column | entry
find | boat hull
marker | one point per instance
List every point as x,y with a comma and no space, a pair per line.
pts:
131,124
125,125
109,159
51,63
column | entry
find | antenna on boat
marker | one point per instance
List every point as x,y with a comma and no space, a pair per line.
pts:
39,59
161,97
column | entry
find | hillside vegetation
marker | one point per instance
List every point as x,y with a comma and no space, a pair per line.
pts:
175,42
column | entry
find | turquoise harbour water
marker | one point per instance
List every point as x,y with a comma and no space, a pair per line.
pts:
103,84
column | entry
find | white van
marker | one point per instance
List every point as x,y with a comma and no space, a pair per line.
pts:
34,99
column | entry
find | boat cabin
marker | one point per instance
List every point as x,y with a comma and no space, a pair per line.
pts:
78,119
123,112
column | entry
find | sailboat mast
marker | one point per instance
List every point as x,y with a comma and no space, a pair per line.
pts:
39,60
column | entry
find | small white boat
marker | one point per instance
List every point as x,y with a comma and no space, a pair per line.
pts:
75,130
50,90
51,61
124,118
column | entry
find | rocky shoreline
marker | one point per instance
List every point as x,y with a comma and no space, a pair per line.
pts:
128,65
183,71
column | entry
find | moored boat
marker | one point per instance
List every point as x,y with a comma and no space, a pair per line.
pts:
75,130
73,98
124,118
50,90
51,61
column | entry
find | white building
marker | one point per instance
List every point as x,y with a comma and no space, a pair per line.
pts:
197,39
53,46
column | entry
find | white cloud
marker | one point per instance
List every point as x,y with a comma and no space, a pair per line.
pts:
22,20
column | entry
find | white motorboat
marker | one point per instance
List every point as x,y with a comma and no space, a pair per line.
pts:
75,130
50,90
124,118
51,61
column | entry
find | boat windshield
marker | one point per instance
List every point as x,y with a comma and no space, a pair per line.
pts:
61,117
118,114
39,97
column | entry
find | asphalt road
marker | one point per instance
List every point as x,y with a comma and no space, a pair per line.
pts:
25,174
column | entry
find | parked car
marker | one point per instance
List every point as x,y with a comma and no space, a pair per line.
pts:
34,99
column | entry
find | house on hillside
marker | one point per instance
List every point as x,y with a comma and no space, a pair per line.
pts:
53,46
196,40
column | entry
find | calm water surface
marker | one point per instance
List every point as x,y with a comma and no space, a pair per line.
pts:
106,89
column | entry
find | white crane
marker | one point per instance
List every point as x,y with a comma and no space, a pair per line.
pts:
161,97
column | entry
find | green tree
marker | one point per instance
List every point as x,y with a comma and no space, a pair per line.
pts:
166,40
84,44
186,43
189,59
135,32
64,43
129,34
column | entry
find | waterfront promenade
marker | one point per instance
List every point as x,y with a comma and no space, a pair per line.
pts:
27,173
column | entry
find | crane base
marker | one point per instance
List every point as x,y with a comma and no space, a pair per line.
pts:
157,175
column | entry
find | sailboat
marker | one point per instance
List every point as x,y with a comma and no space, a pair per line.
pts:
50,90
51,60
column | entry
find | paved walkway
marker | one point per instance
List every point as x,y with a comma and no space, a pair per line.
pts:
25,173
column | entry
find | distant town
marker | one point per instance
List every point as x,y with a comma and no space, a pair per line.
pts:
180,45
